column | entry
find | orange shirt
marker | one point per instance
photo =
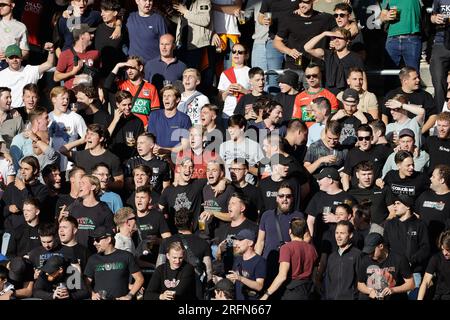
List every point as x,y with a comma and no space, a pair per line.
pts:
302,105
146,101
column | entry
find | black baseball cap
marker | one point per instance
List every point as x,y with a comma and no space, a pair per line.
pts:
53,264
328,173
225,285
371,241
350,95
405,199
290,78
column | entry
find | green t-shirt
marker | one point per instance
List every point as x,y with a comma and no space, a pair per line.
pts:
409,13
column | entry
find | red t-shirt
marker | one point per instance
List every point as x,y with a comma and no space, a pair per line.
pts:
301,256
200,162
146,101
304,98
65,63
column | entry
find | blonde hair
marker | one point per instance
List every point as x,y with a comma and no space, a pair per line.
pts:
93,180
121,216
56,91
197,73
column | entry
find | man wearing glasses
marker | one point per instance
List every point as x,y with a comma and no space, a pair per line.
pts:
110,269
274,229
314,89
364,151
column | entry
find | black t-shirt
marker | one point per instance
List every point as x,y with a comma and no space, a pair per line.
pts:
110,49
152,224
247,100
337,70
23,239
296,31
298,152
411,186
111,272
118,144
287,101
181,280
378,201
315,208
90,218
377,155
63,200
280,9
349,127
441,267
255,201
389,273
87,161
75,253
434,210
188,196
269,191
160,170
39,255
419,97
101,117
199,247
439,151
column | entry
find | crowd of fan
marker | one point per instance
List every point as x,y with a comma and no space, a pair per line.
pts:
143,158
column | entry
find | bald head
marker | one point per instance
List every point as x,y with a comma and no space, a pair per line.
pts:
166,45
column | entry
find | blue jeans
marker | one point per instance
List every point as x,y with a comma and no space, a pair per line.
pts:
265,56
408,47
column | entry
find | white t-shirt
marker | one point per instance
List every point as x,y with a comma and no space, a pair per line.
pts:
63,129
124,243
193,109
6,169
247,149
231,101
224,22
13,32
16,80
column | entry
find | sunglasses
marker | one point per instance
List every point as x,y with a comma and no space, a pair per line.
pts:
4,5
238,51
369,138
340,15
309,76
98,239
281,195
132,218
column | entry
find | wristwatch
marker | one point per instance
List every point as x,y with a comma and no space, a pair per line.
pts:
267,292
